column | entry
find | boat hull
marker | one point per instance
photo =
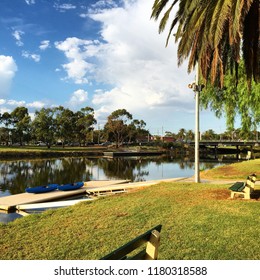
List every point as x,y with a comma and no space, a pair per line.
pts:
71,187
42,189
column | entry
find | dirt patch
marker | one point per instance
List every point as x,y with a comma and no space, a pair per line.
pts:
218,194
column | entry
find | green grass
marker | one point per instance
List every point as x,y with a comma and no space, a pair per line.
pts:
44,148
199,221
43,152
233,171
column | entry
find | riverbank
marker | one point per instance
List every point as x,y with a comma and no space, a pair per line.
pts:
90,230
233,171
44,152
21,152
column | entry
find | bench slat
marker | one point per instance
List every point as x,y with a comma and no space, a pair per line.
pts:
238,187
121,253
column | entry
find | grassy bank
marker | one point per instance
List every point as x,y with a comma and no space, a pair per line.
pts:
58,151
233,171
199,221
37,152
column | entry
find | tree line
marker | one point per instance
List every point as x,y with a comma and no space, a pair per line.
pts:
228,135
62,126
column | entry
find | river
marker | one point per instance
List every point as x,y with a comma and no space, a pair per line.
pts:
17,175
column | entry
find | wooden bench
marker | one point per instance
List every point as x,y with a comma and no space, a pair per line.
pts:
244,189
134,250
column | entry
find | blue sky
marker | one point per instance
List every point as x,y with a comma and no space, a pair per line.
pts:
104,54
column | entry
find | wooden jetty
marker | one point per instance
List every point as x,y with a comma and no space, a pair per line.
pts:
92,188
11,202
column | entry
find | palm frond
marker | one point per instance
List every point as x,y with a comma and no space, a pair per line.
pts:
165,18
157,8
251,42
211,32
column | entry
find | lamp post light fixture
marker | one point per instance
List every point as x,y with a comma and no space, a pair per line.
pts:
197,89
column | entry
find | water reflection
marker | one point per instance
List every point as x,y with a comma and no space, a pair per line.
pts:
15,176
6,217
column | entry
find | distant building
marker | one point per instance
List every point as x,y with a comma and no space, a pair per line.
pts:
165,139
168,139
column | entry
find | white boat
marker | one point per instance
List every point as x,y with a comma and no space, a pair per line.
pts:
52,204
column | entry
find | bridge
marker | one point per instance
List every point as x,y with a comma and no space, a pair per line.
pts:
221,143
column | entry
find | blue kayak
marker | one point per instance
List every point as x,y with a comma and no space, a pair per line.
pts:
42,189
70,187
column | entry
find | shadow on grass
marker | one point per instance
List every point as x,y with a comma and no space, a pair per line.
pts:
255,195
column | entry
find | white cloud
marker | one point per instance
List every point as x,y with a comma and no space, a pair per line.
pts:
44,45
4,109
82,15
17,34
10,104
34,57
143,74
100,5
77,51
78,97
15,103
64,7
8,68
36,104
30,2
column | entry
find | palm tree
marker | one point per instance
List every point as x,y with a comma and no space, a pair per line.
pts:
209,135
212,33
190,135
181,134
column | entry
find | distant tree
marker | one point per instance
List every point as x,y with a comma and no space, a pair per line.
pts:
44,126
181,134
190,135
21,123
136,130
5,133
64,119
84,124
117,126
169,133
6,119
209,135
4,136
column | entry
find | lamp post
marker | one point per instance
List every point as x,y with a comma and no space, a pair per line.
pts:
196,88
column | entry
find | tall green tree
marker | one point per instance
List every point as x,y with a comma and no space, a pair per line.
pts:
190,135
64,119
136,130
117,125
44,126
21,123
211,34
234,100
181,134
209,135
6,120
84,124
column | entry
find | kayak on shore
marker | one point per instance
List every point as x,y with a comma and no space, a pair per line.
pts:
42,189
70,187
